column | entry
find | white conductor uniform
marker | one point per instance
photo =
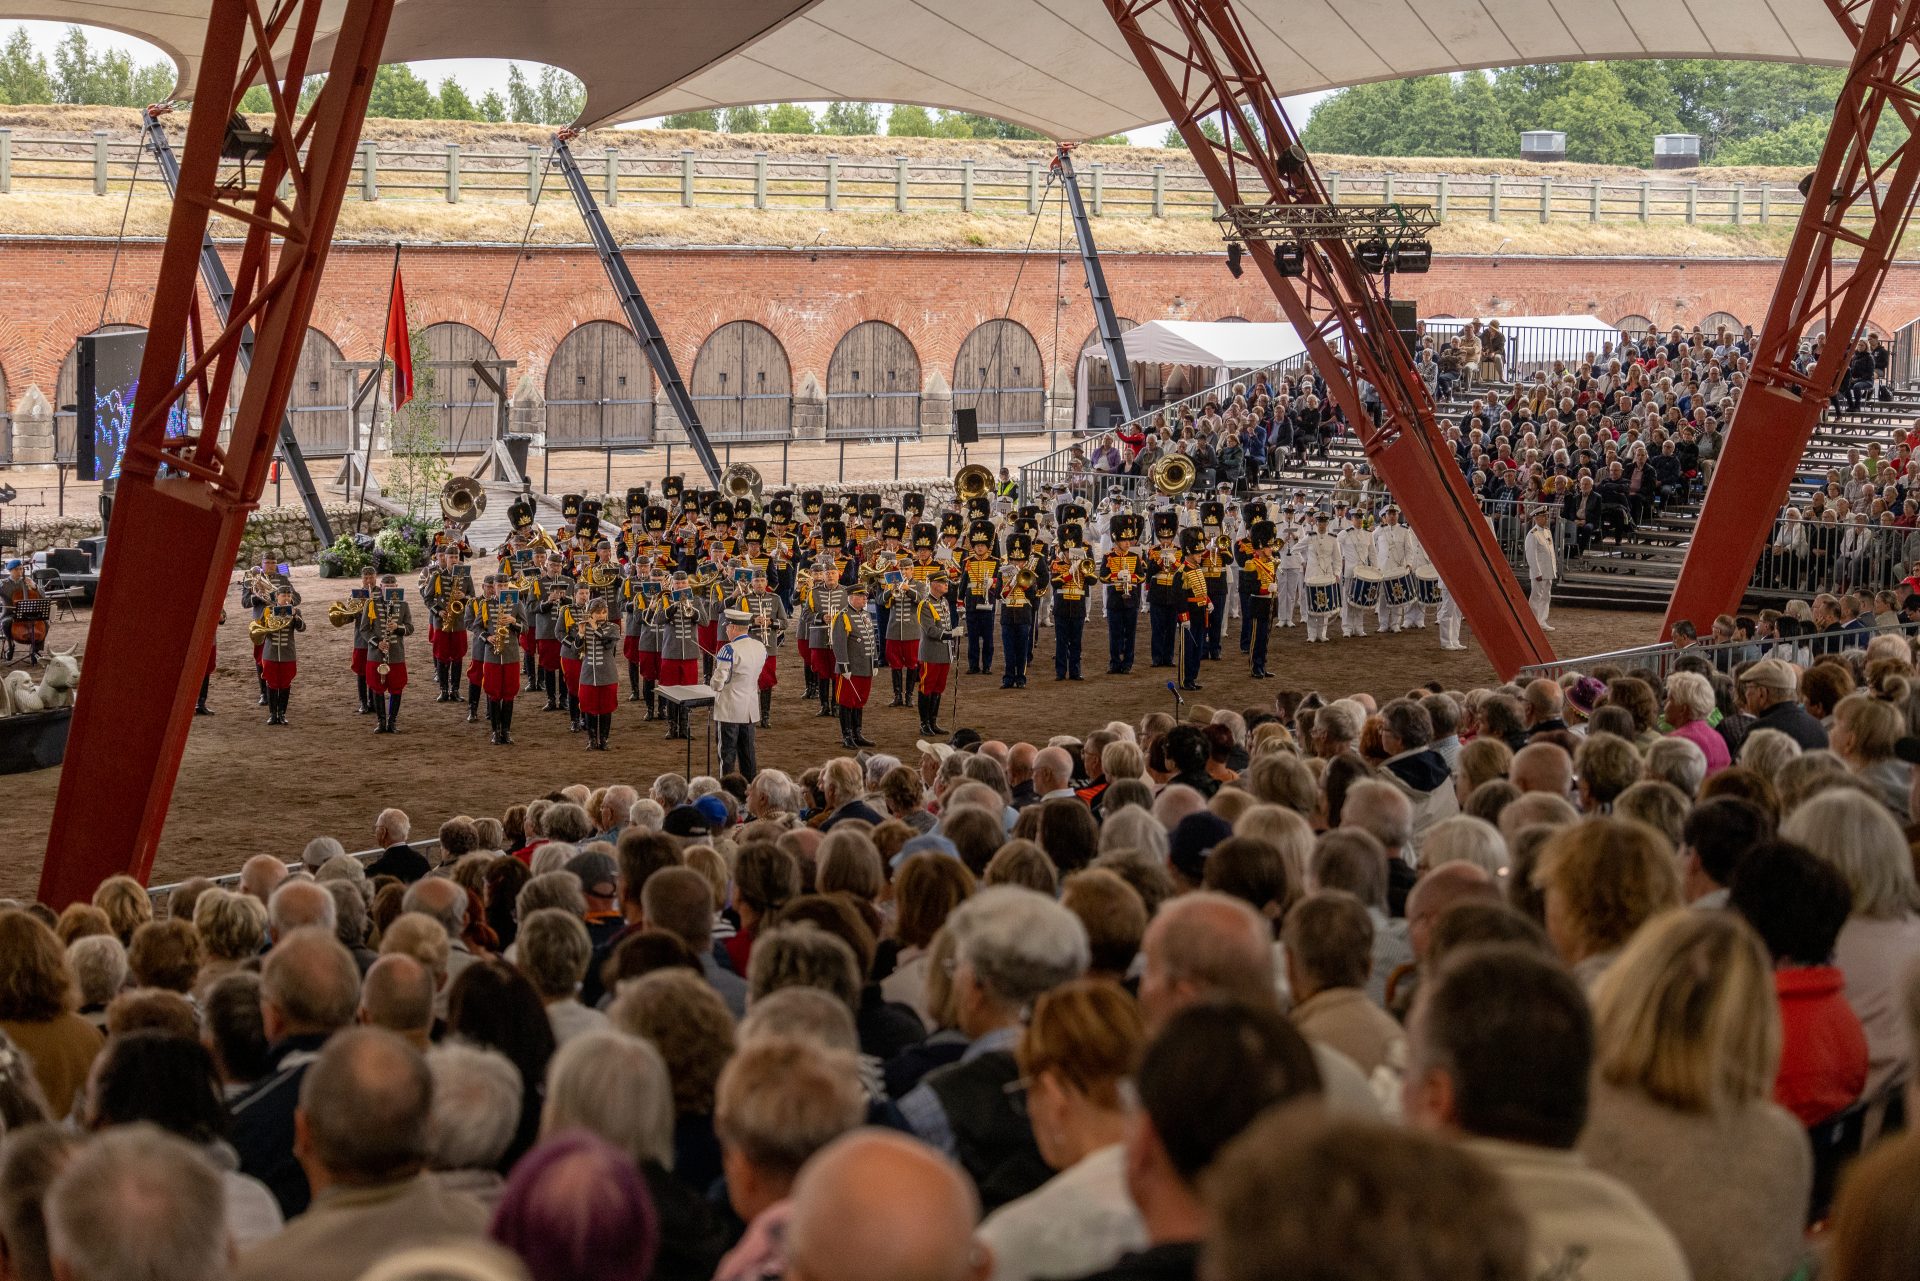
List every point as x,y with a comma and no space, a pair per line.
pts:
1542,568
736,702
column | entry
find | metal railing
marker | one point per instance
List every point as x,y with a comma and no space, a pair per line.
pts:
1833,558
1659,661
159,894
103,163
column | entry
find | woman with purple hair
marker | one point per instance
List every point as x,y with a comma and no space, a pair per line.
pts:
576,1209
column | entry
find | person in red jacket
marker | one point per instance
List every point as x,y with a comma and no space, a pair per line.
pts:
1797,903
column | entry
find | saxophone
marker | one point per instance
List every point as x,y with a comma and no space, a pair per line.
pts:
455,609
502,629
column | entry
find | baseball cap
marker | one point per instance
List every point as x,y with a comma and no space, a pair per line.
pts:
962,739
1193,840
1770,673
713,809
596,873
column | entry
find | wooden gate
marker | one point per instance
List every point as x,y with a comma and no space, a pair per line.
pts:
873,384
320,398
742,387
465,409
599,389
998,374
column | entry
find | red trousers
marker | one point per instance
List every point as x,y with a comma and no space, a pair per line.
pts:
679,671
449,647
933,677
500,681
597,700
768,677
852,691
903,654
650,664
278,675
548,652
392,683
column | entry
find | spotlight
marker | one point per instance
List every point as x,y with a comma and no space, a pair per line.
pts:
1290,260
1415,257
243,142
1234,251
1372,256
1291,158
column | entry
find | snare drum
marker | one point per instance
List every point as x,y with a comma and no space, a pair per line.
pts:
1400,590
1323,596
1366,588
1427,584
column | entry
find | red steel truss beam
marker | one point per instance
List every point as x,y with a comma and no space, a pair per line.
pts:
183,501
1858,206
1199,60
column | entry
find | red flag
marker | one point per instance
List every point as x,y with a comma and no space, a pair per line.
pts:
399,341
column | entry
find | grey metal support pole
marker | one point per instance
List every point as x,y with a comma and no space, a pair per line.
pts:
1104,317
219,285
638,314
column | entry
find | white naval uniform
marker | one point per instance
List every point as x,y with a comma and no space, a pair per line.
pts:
1356,552
1542,569
1392,554
1322,558
1290,560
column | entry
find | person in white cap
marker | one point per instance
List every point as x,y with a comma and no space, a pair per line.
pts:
1542,566
736,705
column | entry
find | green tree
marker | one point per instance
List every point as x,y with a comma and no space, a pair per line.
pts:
75,69
255,101
309,90
1361,121
1176,140
855,119
492,108
706,119
1430,115
979,126
452,102
554,98
23,71
743,120
1601,125
909,121
789,117
1484,129
399,94
417,469
951,124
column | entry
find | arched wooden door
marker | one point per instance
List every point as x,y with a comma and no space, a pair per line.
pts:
599,389
464,407
742,386
320,400
873,384
998,375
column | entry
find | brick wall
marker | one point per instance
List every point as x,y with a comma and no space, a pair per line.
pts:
50,292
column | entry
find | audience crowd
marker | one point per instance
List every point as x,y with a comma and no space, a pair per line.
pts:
1608,977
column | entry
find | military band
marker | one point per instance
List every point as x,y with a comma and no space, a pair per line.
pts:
860,584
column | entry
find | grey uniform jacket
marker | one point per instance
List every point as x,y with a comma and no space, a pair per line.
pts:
396,621
599,647
854,649
483,619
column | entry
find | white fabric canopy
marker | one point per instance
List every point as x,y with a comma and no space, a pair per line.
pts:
1221,347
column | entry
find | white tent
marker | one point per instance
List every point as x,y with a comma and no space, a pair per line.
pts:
1536,340
1223,347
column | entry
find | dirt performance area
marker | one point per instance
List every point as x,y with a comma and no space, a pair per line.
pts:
247,788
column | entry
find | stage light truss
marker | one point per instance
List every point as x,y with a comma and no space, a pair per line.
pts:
1202,65
182,501
1300,223
1858,205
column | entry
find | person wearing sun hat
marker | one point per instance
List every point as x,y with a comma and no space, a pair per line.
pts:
1583,696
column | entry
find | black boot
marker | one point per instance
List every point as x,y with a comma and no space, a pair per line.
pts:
846,728
493,722
812,682
766,708
453,682
933,714
826,698
633,682
286,695
380,712
898,682
273,706
575,718
860,739
266,695
606,728
200,708
550,682
473,705
506,724
593,733
646,693
366,701
923,704
393,713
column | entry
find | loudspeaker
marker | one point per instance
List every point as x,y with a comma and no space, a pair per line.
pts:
966,426
1406,322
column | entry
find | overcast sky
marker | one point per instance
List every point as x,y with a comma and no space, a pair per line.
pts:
482,74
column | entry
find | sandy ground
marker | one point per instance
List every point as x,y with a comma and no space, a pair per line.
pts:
246,788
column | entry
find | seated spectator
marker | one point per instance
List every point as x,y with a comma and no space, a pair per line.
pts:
680,901
876,1205
1718,833
688,1023
36,1010
1602,880
1329,949
134,1203
364,1107
780,1101
576,1209
1010,946
1500,1047
476,1108
1688,1042
1690,704
1797,904
1352,861
1083,1041
554,949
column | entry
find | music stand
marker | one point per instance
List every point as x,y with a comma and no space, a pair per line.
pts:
689,698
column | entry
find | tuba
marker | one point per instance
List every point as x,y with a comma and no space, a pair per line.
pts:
971,482
462,500
1173,475
741,480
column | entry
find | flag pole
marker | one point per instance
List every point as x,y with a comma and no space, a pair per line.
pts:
379,376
